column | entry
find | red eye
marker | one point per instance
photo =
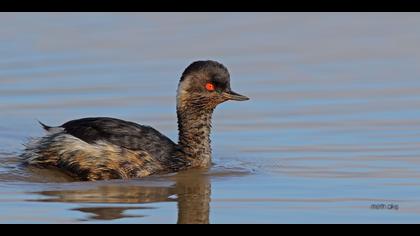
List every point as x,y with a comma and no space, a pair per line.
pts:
210,87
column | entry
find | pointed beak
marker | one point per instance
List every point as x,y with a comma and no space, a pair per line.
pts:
235,96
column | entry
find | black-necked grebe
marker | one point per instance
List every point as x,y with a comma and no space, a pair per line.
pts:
108,148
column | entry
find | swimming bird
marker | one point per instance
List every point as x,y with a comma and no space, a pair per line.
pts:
103,148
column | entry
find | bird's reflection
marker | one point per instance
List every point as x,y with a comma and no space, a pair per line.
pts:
191,190
193,199
110,213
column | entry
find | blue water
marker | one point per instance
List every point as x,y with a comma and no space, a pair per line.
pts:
332,127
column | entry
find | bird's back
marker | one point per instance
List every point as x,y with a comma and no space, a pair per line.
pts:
122,133
104,148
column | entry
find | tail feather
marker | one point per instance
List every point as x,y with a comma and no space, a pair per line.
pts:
51,129
44,126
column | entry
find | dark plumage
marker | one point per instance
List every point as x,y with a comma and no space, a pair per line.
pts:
108,148
121,133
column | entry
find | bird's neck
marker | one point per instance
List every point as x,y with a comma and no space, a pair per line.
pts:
194,134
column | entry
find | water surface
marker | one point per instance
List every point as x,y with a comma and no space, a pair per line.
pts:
331,133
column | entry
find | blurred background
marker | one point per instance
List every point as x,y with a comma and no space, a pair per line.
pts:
332,127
